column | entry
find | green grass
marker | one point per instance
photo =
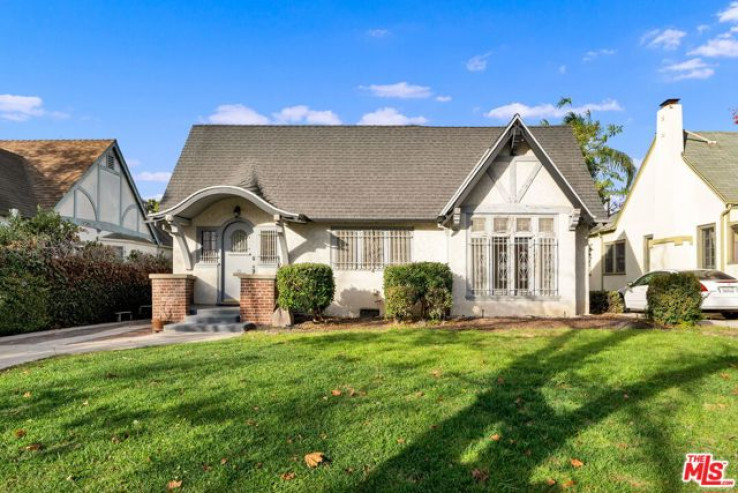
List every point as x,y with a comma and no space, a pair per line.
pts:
236,415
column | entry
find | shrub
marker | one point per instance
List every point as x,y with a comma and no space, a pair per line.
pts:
428,283
23,302
305,288
675,299
605,302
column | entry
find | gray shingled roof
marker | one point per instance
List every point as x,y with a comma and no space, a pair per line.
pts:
355,172
716,162
16,189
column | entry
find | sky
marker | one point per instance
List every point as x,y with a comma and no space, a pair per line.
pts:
144,72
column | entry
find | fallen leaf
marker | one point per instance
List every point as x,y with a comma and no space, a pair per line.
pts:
314,459
400,441
495,437
433,427
20,433
335,392
550,481
349,470
174,484
518,400
288,476
569,483
480,475
223,461
256,408
500,380
626,396
725,376
437,373
34,447
206,467
259,465
622,445
86,403
27,395
351,392
576,463
421,394
528,452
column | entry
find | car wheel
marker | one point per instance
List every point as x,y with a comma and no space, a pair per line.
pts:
730,315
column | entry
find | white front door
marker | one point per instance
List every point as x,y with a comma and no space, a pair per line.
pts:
237,257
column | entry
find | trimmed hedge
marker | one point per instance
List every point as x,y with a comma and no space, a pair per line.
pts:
419,286
675,299
605,302
305,288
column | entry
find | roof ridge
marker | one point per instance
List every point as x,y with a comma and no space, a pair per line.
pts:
57,140
243,125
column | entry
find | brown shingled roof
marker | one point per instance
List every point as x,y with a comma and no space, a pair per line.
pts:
355,172
55,165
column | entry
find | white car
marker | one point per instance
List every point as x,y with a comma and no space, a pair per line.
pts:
719,291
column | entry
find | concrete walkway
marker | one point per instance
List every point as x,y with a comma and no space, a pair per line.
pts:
23,348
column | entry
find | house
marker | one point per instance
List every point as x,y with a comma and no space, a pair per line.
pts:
509,209
681,212
85,181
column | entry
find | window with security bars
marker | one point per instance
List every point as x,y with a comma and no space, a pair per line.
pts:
519,257
370,249
209,247
268,251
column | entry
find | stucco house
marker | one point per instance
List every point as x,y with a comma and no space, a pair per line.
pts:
508,208
85,181
681,212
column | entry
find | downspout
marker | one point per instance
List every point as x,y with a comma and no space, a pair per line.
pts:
723,234
602,267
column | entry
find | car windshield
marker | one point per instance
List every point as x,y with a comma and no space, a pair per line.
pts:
711,275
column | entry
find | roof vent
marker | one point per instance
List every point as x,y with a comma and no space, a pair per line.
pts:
517,138
669,102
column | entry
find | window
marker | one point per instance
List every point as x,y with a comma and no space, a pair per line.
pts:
521,262
239,242
707,247
370,249
268,251
615,258
110,162
734,245
209,247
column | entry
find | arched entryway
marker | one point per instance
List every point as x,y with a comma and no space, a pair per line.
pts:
238,256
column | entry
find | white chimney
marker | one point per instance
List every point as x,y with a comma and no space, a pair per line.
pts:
670,127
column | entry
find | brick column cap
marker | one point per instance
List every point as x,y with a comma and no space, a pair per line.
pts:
255,276
172,276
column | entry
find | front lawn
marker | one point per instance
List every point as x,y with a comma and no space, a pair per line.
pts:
418,410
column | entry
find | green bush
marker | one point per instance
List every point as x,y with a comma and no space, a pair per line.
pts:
305,288
675,299
23,302
605,302
428,284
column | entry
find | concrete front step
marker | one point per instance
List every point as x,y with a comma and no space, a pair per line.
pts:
212,319
211,327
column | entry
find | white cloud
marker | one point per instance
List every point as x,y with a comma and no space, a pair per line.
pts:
390,116
477,63
400,90
562,69
702,28
718,47
158,176
694,68
593,54
443,99
667,39
378,33
133,162
21,108
303,114
548,110
237,114
730,14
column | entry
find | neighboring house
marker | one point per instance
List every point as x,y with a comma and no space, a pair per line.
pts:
85,181
509,209
681,212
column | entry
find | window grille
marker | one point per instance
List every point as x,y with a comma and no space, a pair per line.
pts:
209,247
239,242
269,252
371,249
514,264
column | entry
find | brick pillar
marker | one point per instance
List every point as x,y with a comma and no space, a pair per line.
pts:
258,297
171,296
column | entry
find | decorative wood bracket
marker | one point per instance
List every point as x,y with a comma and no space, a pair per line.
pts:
175,225
574,219
457,219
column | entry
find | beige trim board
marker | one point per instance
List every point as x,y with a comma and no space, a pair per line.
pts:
677,240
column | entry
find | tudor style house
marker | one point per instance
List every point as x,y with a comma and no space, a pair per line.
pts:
682,211
85,181
509,209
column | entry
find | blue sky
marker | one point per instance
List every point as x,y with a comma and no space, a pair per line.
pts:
143,72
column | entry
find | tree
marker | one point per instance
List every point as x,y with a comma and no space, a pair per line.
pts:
151,206
735,117
46,229
612,170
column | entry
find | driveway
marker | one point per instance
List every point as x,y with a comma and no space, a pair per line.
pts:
23,348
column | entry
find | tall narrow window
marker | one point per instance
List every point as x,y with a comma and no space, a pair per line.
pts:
268,251
614,258
209,246
480,263
707,247
734,245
